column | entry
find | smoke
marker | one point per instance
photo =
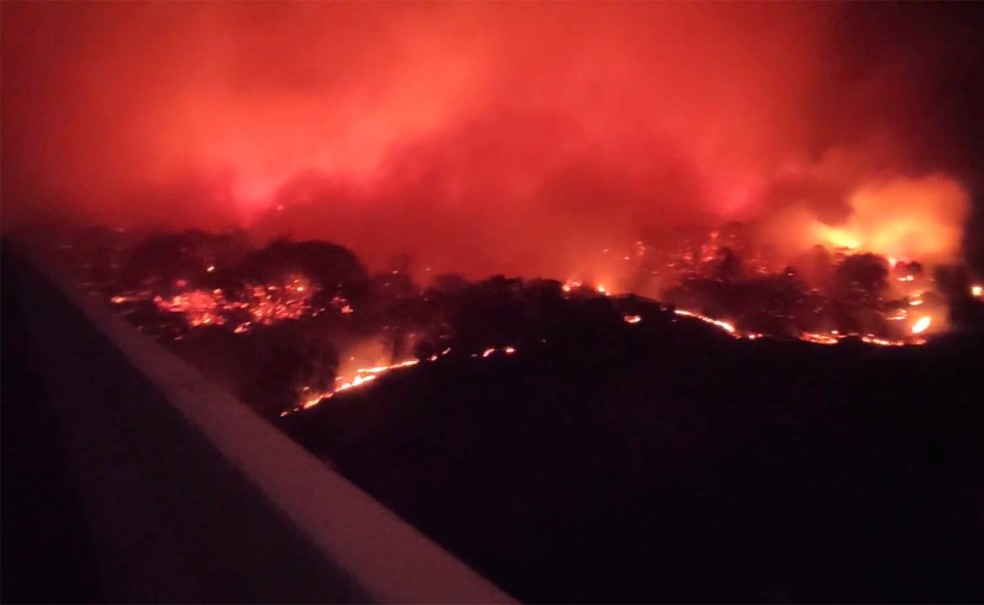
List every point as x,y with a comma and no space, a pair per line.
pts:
513,137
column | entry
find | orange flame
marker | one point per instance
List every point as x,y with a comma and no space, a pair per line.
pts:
922,325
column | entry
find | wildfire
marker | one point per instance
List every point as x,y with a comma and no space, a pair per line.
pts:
820,339
829,338
902,218
270,303
199,307
922,325
265,304
882,341
311,397
976,290
727,327
362,376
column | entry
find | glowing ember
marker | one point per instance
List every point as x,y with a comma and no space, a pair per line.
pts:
570,285
631,319
265,303
727,327
920,326
311,397
881,341
342,305
380,369
199,307
830,338
822,339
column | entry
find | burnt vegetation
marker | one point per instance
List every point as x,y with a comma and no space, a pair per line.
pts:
571,454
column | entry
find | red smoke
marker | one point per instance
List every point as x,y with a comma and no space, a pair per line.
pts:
481,138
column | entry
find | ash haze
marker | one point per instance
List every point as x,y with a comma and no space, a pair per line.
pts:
497,137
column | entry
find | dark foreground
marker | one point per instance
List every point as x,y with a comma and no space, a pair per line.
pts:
109,494
672,463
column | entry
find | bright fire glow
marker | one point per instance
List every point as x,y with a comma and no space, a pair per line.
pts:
570,285
265,303
902,218
727,327
310,397
829,338
920,326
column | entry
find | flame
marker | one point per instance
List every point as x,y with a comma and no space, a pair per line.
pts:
364,375
976,290
199,307
570,285
922,325
266,304
829,338
884,342
727,327
310,397
821,339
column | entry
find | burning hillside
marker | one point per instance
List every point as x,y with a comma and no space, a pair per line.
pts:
739,165
744,245
318,323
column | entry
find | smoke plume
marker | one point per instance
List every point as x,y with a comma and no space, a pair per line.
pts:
499,137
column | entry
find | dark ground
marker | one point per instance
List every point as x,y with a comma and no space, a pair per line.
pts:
46,556
668,462
109,495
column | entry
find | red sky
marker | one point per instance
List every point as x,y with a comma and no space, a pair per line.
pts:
479,136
